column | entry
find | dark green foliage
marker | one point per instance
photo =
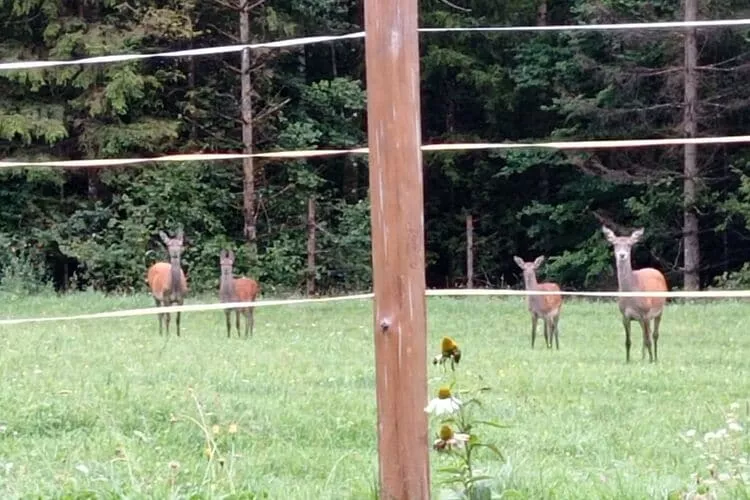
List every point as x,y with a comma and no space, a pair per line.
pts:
98,227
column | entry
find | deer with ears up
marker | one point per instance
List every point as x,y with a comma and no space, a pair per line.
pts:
167,281
233,289
641,309
547,307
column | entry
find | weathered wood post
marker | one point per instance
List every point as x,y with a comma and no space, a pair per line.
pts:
396,197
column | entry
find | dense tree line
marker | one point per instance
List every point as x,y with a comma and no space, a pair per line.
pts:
97,227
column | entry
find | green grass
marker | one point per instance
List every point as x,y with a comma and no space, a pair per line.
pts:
106,405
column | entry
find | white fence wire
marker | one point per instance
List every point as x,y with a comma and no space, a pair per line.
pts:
294,42
474,292
308,153
605,144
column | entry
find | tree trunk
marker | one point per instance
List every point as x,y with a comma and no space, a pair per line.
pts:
310,246
248,170
94,184
351,179
191,86
334,64
541,20
691,172
469,251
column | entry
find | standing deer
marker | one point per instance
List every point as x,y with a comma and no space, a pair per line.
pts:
233,289
546,307
167,280
641,309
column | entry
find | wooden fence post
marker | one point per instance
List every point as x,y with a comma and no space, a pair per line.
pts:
397,208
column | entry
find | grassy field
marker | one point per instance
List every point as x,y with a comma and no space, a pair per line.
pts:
108,406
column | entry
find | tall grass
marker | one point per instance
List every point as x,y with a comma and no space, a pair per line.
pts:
109,407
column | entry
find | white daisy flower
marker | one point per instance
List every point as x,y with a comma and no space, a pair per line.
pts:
734,426
444,404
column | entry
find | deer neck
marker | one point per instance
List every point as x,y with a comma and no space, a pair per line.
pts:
625,280
226,286
530,282
176,277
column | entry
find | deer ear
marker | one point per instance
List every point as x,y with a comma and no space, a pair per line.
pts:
230,254
609,234
637,235
518,261
164,237
538,261
222,253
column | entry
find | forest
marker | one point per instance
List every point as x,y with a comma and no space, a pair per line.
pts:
303,225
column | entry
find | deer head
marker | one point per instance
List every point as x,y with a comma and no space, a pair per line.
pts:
226,261
174,245
622,244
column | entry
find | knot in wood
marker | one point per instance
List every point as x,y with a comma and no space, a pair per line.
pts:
385,324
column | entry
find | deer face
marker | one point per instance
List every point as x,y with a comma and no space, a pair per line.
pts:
529,267
622,245
226,261
174,245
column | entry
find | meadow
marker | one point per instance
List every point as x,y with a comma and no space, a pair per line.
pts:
107,408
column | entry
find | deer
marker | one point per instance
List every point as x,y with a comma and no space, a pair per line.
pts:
167,281
547,307
233,289
641,309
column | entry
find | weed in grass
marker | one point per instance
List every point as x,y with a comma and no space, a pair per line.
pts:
457,436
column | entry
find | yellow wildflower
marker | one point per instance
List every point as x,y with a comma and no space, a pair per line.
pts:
447,439
449,350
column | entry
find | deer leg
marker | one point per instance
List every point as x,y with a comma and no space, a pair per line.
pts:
177,323
159,316
237,316
646,327
547,333
251,318
248,316
657,321
228,316
626,324
167,317
534,320
557,332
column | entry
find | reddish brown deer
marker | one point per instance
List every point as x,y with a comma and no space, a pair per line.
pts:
233,289
547,307
167,281
641,309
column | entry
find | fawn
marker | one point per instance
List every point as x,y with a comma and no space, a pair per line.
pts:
648,279
547,307
233,289
167,281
